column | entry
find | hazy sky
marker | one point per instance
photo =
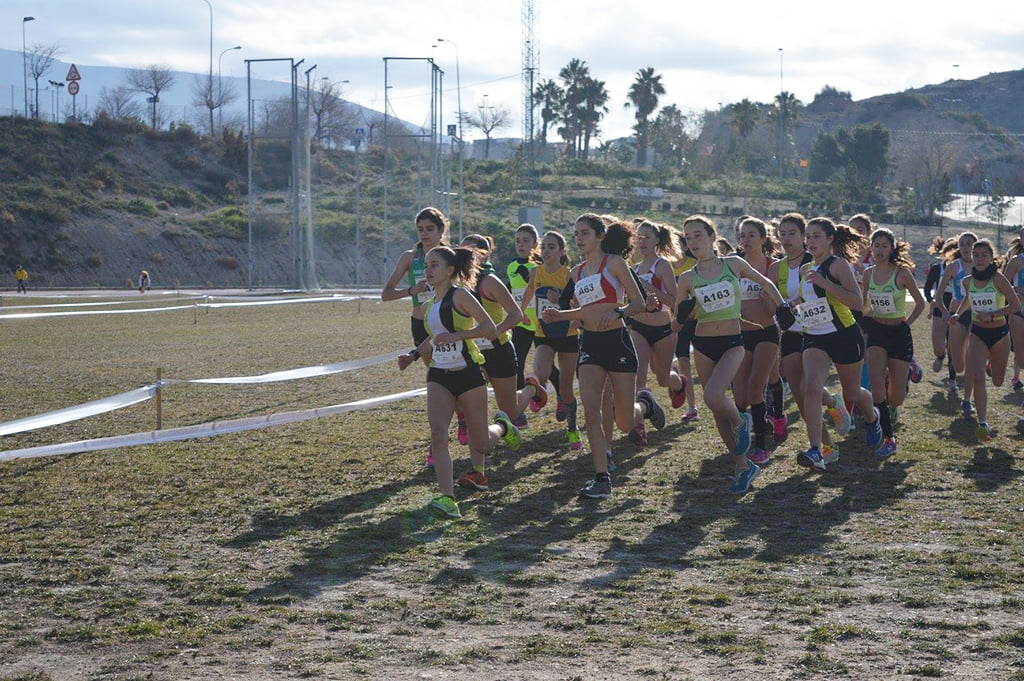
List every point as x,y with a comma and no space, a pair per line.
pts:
708,53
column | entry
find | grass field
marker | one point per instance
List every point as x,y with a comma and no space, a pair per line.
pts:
305,551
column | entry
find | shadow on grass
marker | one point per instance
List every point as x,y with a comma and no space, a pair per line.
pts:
991,468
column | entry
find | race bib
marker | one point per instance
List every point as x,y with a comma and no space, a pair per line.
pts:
749,289
544,304
882,303
588,290
983,301
647,278
715,297
448,355
814,313
517,295
484,343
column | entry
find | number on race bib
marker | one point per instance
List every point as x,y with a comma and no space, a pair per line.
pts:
814,313
715,297
749,289
588,289
448,355
882,303
984,301
518,295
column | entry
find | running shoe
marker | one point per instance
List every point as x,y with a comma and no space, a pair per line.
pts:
967,409
982,433
937,363
780,428
511,438
520,422
598,488
446,506
474,480
463,433
887,449
741,483
430,457
655,414
561,411
691,414
540,394
638,435
951,385
873,431
915,371
678,397
812,458
829,454
575,439
759,455
742,435
840,415
1017,385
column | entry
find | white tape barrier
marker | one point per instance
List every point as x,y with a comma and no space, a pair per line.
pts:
126,301
204,429
305,372
208,305
80,411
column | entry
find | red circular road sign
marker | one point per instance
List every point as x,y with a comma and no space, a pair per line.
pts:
73,87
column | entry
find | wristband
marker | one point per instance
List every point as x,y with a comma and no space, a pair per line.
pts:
415,354
621,312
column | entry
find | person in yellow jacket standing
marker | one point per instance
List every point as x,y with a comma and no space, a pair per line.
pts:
22,277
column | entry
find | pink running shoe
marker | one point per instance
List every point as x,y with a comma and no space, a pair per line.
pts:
430,457
691,414
463,433
780,429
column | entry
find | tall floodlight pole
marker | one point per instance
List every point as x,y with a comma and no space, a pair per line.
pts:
309,272
458,103
209,82
24,61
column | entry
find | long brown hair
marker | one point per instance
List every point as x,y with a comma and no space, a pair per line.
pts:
846,241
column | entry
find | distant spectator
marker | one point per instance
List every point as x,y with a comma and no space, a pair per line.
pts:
22,276
143,281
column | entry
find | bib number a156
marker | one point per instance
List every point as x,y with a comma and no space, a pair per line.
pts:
882,303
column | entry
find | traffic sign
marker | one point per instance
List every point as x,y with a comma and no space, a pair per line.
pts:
73,74
73,88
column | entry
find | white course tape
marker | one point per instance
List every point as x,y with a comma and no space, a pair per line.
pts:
305,372
80,411
126,301
83,313
204,429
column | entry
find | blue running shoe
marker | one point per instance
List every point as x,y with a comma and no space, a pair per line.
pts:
873,431
741,483
887,449
812,458
742,435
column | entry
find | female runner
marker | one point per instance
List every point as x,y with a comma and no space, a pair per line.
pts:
760,337
785,272
431,225
712,287
684,332
606,350
1014,272
890,345
990,298
940,329
500,363
453,318
829,292
558,339
958,266
651,332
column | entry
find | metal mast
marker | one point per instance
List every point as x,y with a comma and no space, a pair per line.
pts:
530,211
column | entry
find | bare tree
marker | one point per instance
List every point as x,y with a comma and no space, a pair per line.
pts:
151,80
212,94
487,120
372,120
40,59
118,103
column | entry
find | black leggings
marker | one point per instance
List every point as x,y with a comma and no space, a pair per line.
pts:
522,341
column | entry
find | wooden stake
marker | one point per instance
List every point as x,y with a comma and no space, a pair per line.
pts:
159,402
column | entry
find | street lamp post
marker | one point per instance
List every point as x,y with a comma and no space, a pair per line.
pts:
57,87
24,61
458,103
220,113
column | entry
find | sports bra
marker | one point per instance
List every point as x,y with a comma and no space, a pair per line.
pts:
718,299
598,287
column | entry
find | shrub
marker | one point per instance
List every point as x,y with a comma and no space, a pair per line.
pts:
226,262
143,208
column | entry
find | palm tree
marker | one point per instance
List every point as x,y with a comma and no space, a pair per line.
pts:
784,111
551,99
595,106
745,117
643,96
574,77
